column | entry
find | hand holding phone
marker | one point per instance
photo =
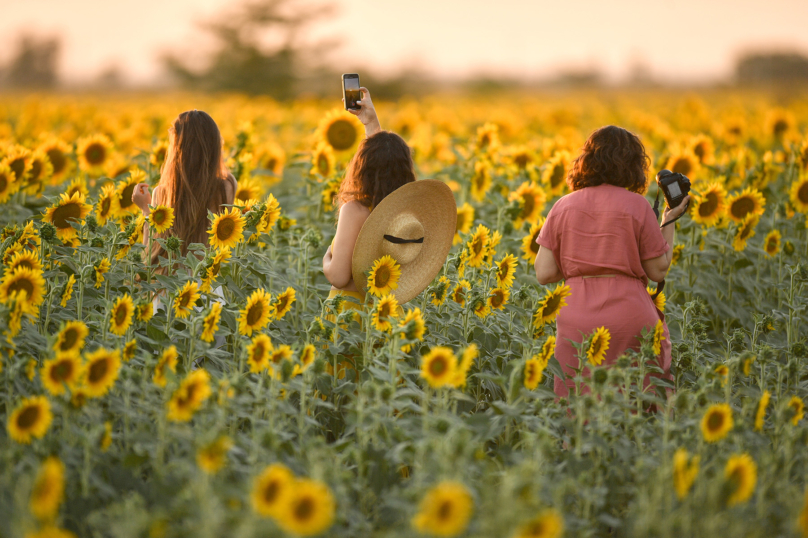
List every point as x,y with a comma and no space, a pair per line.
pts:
351,93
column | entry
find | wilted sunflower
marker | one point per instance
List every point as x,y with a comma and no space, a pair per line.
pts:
186,299
598,346
745,230
412,327
339,129
685,470
270,488
460,291
716,423
189,396
27,259
323,160
530,249
531,199
93,152
120,318
742,204
125,189
506,271
70,339
30,419
438,366
307,508
797,408
760,414
465,218
498,298
555,172
480,180
258,353
798,194
48,490
439,291
161,218
386,310
213,456
66,210
128,351
61,371
552,303
548,524
101,370
167,360
740,474
771,245
27,282
67,292
533,372
8,185
478,246
101,267
210,323
227,229
383,276
58,152
158,153
710,206
445,510
659,336
256,313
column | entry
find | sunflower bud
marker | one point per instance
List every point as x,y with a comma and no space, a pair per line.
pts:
173,244
788,248
48,232
97,242
799,350
92,223
319,366
313,237
286,370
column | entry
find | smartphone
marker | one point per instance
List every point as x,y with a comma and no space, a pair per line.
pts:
350,91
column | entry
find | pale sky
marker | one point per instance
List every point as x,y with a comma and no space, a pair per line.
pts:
677,39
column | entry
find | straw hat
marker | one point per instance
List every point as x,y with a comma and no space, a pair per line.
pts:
415,225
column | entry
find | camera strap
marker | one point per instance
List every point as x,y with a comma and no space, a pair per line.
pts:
659,287
656,211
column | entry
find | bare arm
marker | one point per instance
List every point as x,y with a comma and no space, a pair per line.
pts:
367,113
657,268
547,271
337,269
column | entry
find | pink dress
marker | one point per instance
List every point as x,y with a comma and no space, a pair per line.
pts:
604,230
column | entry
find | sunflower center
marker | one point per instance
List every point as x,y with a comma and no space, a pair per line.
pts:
382,276
384,310
341,135
742,207
225,228
445,510
69,339
709,206
536,528
557,176
255,313
682,166
120,315
106,203
497,299
551,306
780,126
504,271
28,417
126,196
57,159
715,422
95,154
283,302
459,294
158,217
323,165
36,170
270,492
700,150
304,509
438,366
597,344
521,160
528,205
477,246
188,395
98,370
3,182
259,353
63,370
22,284
802,193
18,167
65,213
185,299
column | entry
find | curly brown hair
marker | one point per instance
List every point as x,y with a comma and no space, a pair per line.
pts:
382,164
611,155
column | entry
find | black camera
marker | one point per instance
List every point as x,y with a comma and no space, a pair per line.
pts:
674,187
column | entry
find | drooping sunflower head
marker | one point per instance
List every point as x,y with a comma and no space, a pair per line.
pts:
64,370
445,510
258,353
498,298
283,302
161,218
269,489
771,245
70,338
742,204
383,276
120,318
30,419
67,210
796,408
740,475
460,292
339,129
555,172
307,509
323,160
745,230
48,491
717,422
101,369
799,194
213,456
210,323
93,152
598,346
439,291
256,313
709,207
227,229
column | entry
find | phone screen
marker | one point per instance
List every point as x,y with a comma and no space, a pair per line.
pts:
674,190
351,91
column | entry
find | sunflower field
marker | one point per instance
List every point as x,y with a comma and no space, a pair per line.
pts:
230,397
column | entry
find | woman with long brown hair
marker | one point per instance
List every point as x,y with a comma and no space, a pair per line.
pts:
194,180
604,240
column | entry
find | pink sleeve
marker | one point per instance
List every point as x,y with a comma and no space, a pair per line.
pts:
651,242
548,236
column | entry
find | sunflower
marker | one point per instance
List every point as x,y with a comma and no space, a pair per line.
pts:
386,310
125,189
465,218
522,157
49,531
8,185
128,351
747,365
771,245
439,291
258,353
531,200
740,475
106,437
745,230
383,276
77,186
26,258
213,456
66,210
158,154
93,152
210,322
659,336
555,172
256,313
61,371
189,396
144,311
685,470
464,365
227,228
186,299
271,157
101,268
329,192
742,204
703,148
760,414
271,214
716,423
598,346
480,180
445,510
279,354
339,129
498,298
683,162
107,206
659,302
270,488
283,302
18,158
798,194
548,524
478,246
481,308
779,123
307,355
439,367
533,372
27,282
547,350
506,271
14,248
41,170
307,508
120,317
412,327
487,138
552,303
248,189
161,218
530,248
48,491
70,339
797,407
323,160
710,206
167,360
58,152
30,419
460,291
101,370
67,292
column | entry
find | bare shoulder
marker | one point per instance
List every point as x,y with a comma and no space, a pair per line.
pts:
354,211
157,195
230,187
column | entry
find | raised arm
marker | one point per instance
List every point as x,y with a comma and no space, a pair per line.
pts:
367,113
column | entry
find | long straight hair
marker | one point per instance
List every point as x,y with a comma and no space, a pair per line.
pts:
192,178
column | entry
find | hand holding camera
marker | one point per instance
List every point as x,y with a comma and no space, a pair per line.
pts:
675,187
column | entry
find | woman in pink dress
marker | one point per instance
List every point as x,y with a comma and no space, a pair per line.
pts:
604,240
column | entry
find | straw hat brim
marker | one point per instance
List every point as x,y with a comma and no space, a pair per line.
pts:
430,202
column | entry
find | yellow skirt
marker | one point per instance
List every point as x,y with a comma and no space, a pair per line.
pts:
346,363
